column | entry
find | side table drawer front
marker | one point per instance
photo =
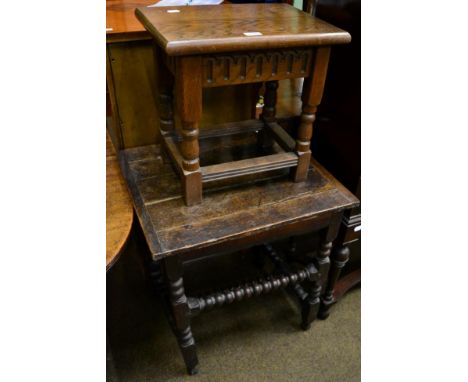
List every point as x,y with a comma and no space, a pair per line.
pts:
230,69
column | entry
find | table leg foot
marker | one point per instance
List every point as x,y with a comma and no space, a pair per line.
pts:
339,257
310,306
181,313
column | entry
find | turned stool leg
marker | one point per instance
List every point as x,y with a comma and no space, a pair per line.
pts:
268,113
181,313
340,256
165,86
311,96
189,105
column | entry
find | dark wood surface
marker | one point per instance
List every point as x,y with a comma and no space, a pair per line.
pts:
337,137
227,214
265,209
222,28
119,208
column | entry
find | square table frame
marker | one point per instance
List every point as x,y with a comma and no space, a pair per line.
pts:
188,75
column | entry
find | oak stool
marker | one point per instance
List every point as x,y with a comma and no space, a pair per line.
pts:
199,47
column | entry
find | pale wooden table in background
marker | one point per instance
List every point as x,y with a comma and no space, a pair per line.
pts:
119,208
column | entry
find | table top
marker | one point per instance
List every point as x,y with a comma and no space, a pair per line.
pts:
234,27
226,213
119,208
121,23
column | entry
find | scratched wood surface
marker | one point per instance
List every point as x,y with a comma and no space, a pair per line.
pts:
119,209
214,28
227,213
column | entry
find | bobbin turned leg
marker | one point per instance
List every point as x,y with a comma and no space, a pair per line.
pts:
311,96
189,105
181,312
310,306
339,257
322,260
268,113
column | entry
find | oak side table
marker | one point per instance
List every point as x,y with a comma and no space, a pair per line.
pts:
200,47
231,218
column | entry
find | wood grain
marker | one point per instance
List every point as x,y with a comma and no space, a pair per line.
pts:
254,210
221,28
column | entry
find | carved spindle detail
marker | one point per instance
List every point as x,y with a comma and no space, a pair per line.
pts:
340,257
259,66
255,288
289,62
304,133
209,69
227,69
189,146
243,67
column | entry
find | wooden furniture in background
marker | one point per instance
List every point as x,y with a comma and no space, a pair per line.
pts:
130,74
119,208
336,142
337,139
231,218
212,46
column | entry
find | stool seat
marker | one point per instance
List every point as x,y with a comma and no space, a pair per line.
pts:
206,46
236,27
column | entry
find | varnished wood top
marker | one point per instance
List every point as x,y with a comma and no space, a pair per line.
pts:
214,28
119,208
227,213
121,23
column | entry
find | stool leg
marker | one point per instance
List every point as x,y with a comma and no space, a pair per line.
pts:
268,113
310,306
165,86
189,105
311,96
340,256
181,313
